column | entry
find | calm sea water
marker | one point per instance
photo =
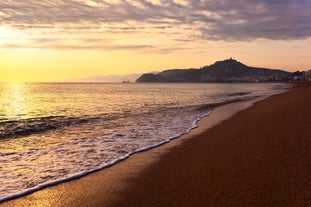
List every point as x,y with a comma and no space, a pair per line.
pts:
51,132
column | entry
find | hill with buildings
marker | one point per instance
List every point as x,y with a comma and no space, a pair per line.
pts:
229,70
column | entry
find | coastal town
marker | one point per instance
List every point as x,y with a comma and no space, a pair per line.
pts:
226,71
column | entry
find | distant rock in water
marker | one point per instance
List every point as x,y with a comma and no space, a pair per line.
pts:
228,70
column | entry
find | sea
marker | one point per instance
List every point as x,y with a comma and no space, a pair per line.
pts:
54,132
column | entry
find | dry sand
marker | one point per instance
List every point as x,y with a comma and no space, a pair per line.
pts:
259,157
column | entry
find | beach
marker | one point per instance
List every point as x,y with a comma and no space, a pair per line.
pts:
261,156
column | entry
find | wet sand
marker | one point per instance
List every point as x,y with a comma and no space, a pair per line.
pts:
259,157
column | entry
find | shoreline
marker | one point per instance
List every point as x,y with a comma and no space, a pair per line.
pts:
227,109
114,185
259,157
218,114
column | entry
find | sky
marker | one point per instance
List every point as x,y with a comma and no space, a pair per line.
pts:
56,40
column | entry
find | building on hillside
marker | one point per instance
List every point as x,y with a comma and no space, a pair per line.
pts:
306,75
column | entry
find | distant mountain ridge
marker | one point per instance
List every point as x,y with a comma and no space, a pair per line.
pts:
229,70
108,79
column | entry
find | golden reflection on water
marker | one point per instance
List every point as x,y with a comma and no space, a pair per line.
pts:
15,100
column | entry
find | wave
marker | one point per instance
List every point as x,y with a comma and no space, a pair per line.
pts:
137,146
218,104
240,93
26,127
106,165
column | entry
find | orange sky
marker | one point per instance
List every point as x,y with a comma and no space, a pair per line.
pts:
60,40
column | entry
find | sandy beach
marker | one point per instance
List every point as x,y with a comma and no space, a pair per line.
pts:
259,157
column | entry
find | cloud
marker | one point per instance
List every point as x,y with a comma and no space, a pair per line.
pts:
173,20
61,44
